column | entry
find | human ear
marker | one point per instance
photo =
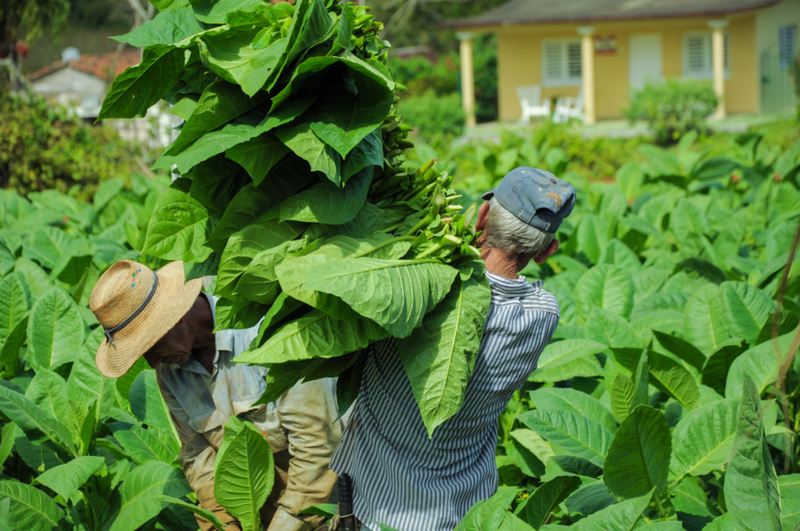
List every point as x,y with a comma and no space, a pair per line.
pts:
552,248
483,217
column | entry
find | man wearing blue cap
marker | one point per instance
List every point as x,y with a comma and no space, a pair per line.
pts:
402,478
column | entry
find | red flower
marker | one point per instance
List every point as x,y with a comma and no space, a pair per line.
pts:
21,49
735,178
777,178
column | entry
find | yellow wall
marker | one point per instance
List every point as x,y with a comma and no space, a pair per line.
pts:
520,58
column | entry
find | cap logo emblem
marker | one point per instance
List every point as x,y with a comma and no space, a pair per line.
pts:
555,197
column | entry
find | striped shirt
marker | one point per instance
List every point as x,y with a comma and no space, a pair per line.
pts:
405,480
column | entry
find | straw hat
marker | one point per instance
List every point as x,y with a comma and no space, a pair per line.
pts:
136,307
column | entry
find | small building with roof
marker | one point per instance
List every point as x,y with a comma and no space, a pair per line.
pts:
602,50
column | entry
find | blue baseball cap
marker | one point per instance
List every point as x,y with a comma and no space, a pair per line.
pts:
535,196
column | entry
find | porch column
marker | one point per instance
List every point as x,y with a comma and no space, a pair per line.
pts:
467,78
587,72
718,63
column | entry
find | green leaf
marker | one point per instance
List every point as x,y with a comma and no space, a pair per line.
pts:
622,395
258,156
169,27
55,330
682,349
439,356
216,11
243,472
368,152
141,86
15,302
618,517
606,286
554,398
611,330
751,485
790,500
703,439
66,479
493,515
142,492
760,363
716,368
321,509
259,282
593,235
666,374
283,376
48,390
203,513
329,204
590,498
638,458
573,432
687,219
30,508
705,325
619,254
305,144
747,308
216,182
220,103
180,226
147,403
563,353
31,418
547,497
142,445
350,110
315,335
713,168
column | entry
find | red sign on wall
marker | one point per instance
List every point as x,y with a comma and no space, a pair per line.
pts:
605,44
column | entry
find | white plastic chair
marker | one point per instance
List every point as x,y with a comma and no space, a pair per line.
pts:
567,108
530,99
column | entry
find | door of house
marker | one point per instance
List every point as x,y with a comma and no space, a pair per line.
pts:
645,60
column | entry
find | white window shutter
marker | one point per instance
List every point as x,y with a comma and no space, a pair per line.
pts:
697,52
574,60
553,67
787,38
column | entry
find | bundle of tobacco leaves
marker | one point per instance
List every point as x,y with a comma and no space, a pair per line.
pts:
294,192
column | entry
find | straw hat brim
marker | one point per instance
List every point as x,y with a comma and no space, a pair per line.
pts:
172,299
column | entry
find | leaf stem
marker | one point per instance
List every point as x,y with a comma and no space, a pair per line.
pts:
384,244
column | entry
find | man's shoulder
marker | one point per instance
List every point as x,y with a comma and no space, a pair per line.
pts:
531,297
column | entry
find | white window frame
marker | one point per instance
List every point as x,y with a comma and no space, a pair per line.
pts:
566,80
709,72
786,62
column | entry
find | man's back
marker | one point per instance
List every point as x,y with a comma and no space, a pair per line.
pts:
413,483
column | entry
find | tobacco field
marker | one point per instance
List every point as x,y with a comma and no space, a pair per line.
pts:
667,398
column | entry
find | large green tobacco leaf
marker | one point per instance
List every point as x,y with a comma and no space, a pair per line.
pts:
606,286
86,384
715,370
610,329
350,110
147,403
30,508
666,374
705,325
180,226
571,400
258,156
315,335
582,367
307,145
142,445
761,363
55,330
220,103
283,376
259,282
439,356
368,152
617,253
790,500
618,517
243,472
244,245
139,87
681,349
15,302
235,139
142,492
627,394
747,308
575,433
31,418
192,508
239,313
751,485
66,479
548,496
687,220
170,27
493,515
703,439
638,458
216,12
590,498
566,352
216,182
396,294
48,390
327,203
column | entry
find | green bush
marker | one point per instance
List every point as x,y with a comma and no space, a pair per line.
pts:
434,114
673,108
796,74
420,74
45,148
484,63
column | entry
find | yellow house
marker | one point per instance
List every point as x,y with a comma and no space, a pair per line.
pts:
607,48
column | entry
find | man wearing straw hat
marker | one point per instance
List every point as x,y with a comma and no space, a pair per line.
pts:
171,324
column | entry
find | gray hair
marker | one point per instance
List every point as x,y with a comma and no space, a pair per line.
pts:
510,234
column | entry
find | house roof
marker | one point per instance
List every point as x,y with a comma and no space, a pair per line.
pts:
103,65
549,11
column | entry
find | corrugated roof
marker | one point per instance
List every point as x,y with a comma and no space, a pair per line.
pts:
555,11
104,65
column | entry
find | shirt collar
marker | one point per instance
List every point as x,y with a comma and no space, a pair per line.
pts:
519,287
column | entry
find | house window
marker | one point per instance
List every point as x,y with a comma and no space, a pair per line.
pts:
561,62
787,38
697,56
